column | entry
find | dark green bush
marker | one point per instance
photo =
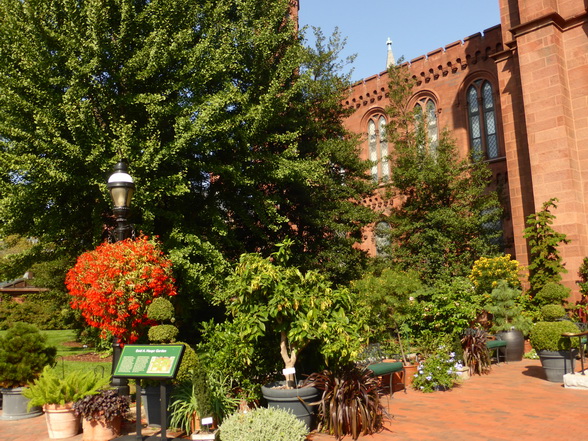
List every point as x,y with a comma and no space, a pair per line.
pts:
552,293
546,336
551,313
47,310
23,355
163,333
161,310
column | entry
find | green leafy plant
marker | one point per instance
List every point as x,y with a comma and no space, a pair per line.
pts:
350,403
263,424
475,353
106,406
546,336
552,293
505,307
439,371
546,261
50,388
190,401
552,313
265,296
23,355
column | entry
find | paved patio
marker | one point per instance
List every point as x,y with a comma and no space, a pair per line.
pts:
513,402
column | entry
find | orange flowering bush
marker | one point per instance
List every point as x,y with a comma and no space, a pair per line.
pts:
113,285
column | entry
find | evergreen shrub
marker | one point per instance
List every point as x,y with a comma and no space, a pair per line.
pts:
267,424
552,293
551,313
23,355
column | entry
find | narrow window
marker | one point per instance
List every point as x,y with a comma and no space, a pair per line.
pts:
378,148
382,238
427,126
482,121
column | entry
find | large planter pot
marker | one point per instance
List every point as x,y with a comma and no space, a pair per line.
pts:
61,421
557,363
14,405
99,430
152,404
515,341
297,401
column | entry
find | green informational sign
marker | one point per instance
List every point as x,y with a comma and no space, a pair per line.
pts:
149,361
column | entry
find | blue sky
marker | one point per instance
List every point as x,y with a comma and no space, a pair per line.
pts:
415,27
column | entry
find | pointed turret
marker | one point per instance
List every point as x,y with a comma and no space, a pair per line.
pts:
390,61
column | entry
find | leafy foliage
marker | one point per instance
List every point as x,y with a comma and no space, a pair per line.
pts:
230,125
106,406
475,353
23,355
547,336
552,313
445,214
350,403
114,284
546,261
50,388
552,293
264,296
268,424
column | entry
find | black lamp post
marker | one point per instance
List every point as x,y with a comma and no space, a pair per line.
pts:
121,187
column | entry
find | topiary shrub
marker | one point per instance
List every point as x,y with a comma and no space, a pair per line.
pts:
188,365
263,424
163,333
161,310
23,355
546,336
552,313
552,293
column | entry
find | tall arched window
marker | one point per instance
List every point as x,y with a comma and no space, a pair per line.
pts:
482,120
378,148
426,114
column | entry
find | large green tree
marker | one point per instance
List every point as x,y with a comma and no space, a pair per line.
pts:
232,129
445,217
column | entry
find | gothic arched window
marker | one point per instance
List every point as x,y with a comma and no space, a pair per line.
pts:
378,148
482,120
426,119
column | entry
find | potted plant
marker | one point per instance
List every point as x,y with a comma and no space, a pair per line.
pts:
56,395
265,296
350,402
23,355
556,353
508,321
102,414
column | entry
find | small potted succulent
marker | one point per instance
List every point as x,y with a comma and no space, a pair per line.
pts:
102,414
23,355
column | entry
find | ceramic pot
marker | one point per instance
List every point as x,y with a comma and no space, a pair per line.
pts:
297,401
99,430
14,405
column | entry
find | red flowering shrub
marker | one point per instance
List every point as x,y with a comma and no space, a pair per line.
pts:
113,285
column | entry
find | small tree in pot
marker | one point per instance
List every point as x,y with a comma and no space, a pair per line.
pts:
23,355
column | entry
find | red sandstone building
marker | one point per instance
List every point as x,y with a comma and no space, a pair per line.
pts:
516,94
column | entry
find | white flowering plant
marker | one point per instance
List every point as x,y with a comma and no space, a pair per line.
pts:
439,371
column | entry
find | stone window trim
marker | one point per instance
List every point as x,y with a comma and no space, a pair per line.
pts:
427,99
377,147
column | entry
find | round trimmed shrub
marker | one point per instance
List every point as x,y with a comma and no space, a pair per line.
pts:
267,424
551,313
163,333
160,310
552,293
546,336
188,365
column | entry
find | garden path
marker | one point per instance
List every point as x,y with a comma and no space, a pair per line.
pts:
513,403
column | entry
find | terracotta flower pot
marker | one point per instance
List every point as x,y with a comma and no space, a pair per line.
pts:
61,421
100,430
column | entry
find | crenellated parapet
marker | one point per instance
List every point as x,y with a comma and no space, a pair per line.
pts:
456,57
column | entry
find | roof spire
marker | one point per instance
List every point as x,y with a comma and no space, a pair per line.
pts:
390,61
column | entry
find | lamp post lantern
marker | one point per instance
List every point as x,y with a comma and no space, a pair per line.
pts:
121,187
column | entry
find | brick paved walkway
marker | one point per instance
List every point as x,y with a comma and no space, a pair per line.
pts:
513,403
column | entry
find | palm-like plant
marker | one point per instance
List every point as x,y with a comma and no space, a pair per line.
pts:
475,352
350,402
